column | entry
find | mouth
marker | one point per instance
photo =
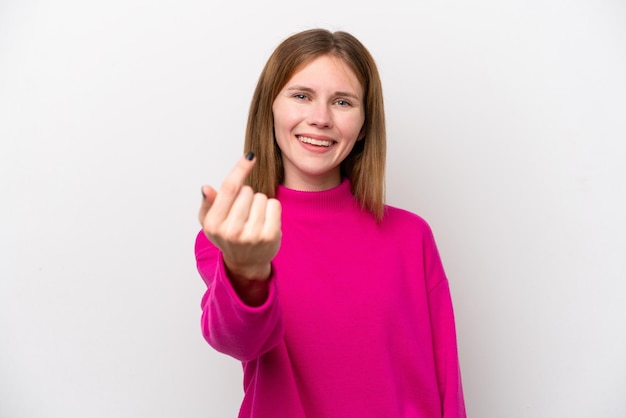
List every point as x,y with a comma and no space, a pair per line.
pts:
316,142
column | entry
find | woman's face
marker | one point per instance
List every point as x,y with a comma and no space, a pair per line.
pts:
318,117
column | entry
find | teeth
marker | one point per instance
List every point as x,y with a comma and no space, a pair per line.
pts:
317,142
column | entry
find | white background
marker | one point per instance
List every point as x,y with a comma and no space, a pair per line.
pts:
506,125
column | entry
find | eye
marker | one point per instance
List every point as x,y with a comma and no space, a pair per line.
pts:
300,96
343,103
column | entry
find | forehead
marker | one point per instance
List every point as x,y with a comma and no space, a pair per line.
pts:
326,70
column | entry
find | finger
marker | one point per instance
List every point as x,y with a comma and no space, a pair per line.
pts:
231,186
256,218
238,215
272,225
208,197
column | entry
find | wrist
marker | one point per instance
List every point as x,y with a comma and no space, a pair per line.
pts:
250,283
249,272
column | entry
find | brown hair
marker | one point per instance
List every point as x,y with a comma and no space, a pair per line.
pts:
365,165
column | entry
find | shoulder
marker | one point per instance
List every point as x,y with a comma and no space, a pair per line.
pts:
408,226
401,217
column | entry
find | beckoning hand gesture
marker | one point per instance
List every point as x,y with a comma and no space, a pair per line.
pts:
245,226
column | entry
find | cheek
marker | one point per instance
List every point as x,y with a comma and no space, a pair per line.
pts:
282,116
283,125
355,127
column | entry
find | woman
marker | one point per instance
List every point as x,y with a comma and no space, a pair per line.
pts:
336,304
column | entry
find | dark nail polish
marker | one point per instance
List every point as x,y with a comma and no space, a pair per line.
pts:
250,156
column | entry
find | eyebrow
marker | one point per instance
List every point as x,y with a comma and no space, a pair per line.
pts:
310,90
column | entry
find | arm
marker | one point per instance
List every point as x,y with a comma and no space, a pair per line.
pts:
445,350
240,236
228,324
444,333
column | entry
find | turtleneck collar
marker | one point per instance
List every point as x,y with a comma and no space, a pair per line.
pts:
337,198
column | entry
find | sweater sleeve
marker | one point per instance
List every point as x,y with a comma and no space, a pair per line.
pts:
444,334
229,325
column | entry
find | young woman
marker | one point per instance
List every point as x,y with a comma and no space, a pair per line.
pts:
336,304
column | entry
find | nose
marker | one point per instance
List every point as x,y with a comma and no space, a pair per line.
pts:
320,115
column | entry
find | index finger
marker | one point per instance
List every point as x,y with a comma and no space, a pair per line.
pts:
231,186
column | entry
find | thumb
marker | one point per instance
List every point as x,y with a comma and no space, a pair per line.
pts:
208,197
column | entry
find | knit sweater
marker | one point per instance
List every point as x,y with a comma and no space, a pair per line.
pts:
358,321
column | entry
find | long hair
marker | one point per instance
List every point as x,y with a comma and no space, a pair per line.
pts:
365,165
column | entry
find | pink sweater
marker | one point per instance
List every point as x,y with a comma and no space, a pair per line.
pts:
358,323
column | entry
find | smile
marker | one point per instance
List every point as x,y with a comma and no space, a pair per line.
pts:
318,142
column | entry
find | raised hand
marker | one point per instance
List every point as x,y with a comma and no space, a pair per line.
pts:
245,226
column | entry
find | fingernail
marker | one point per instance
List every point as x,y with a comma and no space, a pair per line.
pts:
203,195
250,156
